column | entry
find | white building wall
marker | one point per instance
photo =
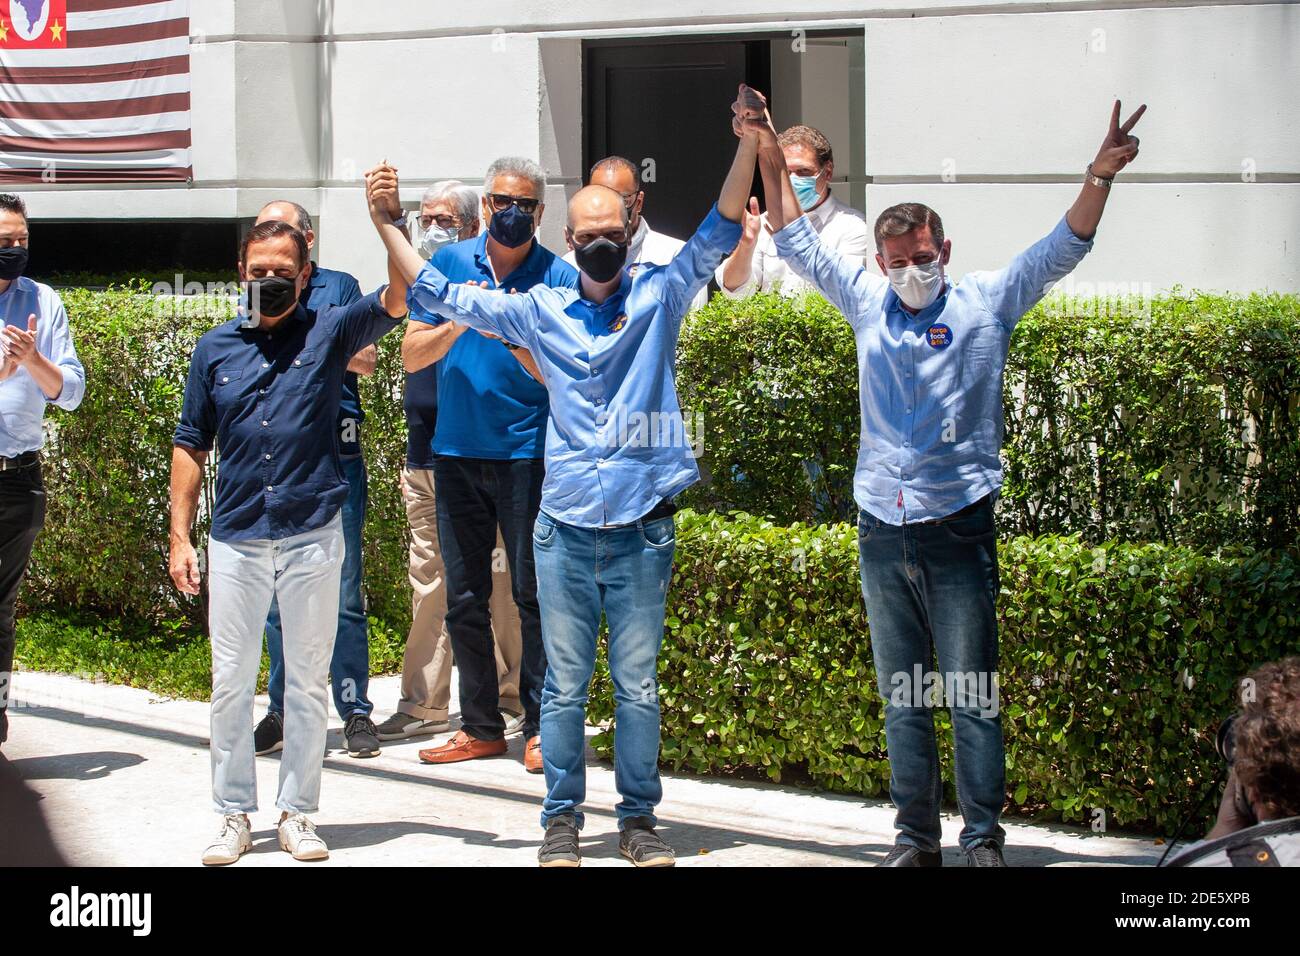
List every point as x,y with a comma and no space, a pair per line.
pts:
986,110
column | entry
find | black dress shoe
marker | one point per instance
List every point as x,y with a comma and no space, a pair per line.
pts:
904,855
985,854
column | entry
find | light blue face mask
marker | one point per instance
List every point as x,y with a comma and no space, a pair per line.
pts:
805,190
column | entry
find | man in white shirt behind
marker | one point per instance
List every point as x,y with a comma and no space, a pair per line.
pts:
755,266
645,245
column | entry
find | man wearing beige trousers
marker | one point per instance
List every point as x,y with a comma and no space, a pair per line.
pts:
448,213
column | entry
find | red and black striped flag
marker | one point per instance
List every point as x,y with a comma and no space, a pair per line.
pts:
94,91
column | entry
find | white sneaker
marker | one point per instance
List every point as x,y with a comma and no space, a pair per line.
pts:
298,837
234,840
514,722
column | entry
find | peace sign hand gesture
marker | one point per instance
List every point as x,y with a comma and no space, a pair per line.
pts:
1119,148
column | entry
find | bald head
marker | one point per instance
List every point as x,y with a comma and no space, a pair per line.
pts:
596,211
281,210
622,176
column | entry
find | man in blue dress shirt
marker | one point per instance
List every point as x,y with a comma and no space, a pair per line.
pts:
350,666
264,388
38,366
931,356
616,453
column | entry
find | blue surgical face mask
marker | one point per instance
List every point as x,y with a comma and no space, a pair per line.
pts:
805,190
511,227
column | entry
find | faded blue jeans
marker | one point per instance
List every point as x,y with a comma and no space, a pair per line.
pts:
930,589
623,571
302,573
350,666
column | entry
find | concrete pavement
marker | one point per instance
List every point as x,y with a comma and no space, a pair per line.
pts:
117,776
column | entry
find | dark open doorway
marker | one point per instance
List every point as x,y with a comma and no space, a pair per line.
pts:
662,103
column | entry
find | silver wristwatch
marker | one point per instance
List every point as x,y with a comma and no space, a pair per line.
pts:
1089,177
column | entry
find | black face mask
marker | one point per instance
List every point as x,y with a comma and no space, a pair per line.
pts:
272,296
511,227
13,262
601,259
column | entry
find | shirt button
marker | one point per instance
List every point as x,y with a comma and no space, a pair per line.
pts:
907,374
270,488
265,423
909,411
261,391
907,444
225,379
268,457
266,365
297,361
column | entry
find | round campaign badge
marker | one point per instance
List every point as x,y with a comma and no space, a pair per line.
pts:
939,336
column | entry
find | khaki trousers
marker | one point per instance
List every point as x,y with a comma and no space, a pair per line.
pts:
426,667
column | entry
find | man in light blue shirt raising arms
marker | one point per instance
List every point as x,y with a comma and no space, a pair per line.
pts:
931,355
38,366
616,453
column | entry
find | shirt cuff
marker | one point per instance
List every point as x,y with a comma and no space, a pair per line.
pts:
189,437
1064,236
427,292
719,231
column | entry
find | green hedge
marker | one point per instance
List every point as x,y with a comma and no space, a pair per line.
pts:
1175,419
1115,417
1117,664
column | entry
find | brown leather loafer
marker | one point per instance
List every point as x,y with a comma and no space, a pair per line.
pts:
533,755
463,747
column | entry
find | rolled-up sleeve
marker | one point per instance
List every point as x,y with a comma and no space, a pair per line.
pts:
198,425
363,322
433,298
61,352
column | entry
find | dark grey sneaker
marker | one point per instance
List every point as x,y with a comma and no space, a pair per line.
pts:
268,736
904,854
361,737
642,846
560,847
987,853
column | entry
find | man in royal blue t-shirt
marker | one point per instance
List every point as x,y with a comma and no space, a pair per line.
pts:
488,444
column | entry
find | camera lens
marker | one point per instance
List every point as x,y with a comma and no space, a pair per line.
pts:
1224,743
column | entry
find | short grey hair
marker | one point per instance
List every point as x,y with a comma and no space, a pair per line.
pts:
464,199
516,166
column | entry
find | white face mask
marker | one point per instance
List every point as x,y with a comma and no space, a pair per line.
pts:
435,237
917,286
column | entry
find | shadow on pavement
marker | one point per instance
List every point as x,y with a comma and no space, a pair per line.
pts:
85,766
25,838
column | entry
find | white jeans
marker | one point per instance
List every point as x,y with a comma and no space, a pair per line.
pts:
302,572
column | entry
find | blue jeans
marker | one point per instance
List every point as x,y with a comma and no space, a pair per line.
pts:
930,588
350,665
625,572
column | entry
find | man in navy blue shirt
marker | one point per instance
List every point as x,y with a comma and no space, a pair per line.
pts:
257,388
488,467
350,666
